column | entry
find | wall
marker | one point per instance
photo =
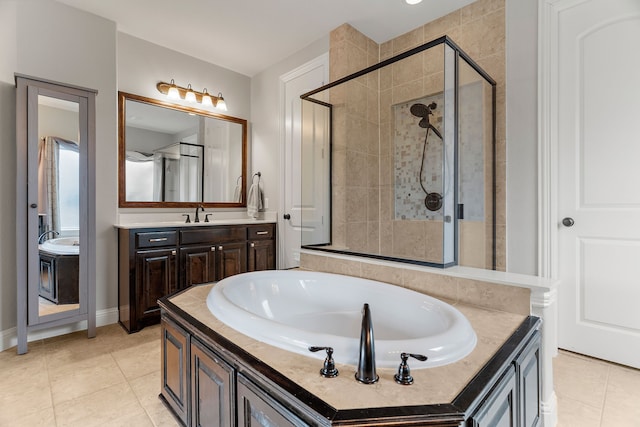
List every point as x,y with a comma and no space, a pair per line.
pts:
80,50
8,65
522,136
142,64
267,141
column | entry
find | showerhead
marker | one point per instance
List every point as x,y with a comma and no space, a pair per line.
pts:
419,110
423,111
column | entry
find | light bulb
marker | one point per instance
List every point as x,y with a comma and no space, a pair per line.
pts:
221,105
206,99
173,92
190,96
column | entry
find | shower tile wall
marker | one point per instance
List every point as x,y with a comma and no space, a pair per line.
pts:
361,154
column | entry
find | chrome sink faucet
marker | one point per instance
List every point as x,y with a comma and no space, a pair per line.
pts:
41,238
367,361
199,207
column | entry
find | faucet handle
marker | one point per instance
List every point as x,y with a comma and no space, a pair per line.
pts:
329,369
188,219
206,217
404,373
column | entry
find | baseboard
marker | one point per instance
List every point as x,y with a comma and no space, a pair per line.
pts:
549,411
9,337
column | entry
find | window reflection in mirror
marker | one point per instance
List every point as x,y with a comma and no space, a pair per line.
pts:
58,205
172,155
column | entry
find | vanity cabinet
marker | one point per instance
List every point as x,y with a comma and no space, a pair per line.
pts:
154,262
230,387
499,410
212,388
261,248
175,364
515,400
257,409
156,276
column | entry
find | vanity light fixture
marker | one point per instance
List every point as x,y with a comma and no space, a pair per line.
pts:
206,98
174,91
190,96
413,1
221,104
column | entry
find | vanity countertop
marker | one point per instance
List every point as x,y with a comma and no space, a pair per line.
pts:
212,222
432,386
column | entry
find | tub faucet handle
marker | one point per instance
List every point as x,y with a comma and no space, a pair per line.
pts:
404,373
329,369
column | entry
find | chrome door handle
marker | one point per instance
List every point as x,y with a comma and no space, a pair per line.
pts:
568,222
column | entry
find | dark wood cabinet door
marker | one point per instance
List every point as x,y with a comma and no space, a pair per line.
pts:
197,265
232,259
257,409
175,368
499,409
262,255
212,389
528,377
156,277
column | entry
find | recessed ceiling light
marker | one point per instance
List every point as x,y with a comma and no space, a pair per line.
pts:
413,1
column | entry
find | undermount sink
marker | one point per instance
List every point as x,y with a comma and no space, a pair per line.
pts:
295,309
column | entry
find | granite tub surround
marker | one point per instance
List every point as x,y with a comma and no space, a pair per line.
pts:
431,386
494,290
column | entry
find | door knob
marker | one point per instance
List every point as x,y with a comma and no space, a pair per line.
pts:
287,216
568,222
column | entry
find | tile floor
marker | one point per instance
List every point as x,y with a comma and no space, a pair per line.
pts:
114,380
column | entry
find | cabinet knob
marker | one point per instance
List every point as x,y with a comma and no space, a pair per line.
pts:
253,245
219,248
213,248
173,252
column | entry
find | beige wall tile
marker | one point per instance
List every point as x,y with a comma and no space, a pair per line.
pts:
443,287
408,40
498,297
382,273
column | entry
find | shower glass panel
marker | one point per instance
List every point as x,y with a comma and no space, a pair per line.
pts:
475,168
411,160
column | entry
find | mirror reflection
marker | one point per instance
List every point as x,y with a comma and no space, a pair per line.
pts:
172,155
58,205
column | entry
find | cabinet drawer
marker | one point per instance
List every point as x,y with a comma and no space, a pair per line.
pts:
257,232
152,239
212,235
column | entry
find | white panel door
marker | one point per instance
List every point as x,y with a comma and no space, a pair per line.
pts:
598,123
293,84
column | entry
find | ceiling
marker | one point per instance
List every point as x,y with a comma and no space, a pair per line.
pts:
248,36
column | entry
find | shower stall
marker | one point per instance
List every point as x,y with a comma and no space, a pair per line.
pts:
412,160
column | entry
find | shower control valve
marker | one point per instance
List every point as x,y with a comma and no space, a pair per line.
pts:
329,369
404,373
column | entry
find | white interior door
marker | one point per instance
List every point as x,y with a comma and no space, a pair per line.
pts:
598,136
293,84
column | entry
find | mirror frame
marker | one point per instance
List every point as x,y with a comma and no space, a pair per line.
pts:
122,194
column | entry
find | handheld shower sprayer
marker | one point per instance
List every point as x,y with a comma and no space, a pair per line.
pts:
432,201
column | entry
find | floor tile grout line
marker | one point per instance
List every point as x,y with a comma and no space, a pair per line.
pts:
606,392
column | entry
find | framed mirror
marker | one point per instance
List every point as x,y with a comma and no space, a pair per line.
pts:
175,156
